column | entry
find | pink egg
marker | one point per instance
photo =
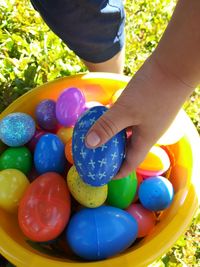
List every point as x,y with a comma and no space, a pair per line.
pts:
147,174
146,219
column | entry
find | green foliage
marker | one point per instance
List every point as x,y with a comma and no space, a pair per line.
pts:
30,55
145,23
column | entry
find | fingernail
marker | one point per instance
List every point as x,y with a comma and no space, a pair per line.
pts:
92,139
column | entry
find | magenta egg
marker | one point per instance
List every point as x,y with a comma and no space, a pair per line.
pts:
69,106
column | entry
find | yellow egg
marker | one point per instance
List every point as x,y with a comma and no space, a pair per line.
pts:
12,186
156,160
88,196
65,133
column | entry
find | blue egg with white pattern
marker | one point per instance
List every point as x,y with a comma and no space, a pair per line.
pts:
96,166
49,154
17,129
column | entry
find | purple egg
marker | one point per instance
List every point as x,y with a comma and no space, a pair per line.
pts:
46,114
69,106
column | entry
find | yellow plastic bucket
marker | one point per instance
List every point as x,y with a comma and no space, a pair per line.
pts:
173,222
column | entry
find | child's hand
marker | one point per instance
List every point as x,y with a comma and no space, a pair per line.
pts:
148,104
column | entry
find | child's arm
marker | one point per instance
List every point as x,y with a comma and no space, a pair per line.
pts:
158,90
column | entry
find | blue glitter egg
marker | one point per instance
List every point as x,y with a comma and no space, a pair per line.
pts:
16,129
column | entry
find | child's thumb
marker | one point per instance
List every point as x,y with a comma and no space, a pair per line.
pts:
108,125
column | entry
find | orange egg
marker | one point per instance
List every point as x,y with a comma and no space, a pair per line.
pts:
65,134
68,151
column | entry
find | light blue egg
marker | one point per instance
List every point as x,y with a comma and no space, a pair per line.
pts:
156,193
99,233
96,166
17,129
49,155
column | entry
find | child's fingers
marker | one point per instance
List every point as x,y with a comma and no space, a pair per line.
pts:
136,152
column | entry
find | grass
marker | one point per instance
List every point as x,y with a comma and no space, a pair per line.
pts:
30,55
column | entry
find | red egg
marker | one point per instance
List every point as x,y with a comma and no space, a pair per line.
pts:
146,219
44,209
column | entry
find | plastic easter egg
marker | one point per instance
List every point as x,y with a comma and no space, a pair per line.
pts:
116,95
69,106
13,184
16,129
45,114
170,154
99,233
121,192
156,162
87,195
146,219
65,133
49,154
91,104
172,159
156,193
32,143
175,131
19,158
68,152
44,209
96,166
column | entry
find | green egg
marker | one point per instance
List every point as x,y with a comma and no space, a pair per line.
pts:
121,192
19,158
